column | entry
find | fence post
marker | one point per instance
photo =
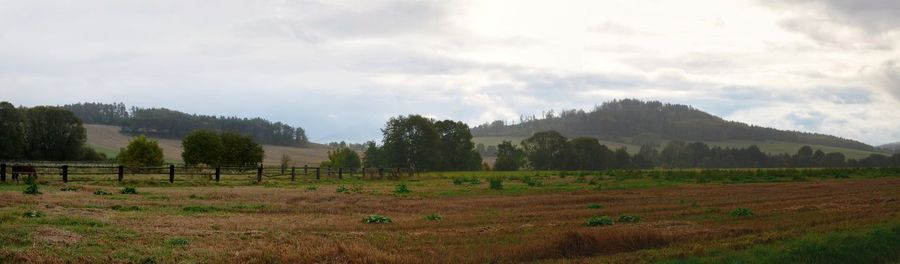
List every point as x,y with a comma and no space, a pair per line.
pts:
3,172
317,173
293,173
305,170
259,173
121,172
65,173
218,172
171,173
329,171
340,173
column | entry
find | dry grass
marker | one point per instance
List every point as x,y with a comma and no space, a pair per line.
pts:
291,224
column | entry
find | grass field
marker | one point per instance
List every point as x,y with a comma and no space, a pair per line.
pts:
457,217
770,147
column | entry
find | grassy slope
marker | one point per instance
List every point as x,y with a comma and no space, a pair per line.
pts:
107,139
771,147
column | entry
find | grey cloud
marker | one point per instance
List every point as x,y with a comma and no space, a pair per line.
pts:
844,23
889,73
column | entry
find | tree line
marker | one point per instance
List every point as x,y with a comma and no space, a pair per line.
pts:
166,123
423,144
43,133
550,150
216,149
637,122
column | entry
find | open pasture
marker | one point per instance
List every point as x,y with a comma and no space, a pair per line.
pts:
460,217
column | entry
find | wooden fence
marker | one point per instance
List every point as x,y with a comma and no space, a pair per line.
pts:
65,170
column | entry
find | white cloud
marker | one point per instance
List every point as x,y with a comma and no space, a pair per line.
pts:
341,68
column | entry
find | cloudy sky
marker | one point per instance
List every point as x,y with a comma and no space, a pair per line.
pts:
341,68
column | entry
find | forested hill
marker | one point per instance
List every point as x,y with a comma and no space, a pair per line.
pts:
634,121
165,123
892,147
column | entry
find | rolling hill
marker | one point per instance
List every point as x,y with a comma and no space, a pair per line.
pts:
630,123
891,147
108,139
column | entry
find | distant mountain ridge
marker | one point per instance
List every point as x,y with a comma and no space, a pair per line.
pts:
628,120
892,147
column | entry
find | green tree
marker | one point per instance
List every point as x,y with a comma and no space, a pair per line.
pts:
834,159
202,147
54,134
240,150
457,149
12,132
587,154
141,152
411,142
546,150
343,157
373,157
509,157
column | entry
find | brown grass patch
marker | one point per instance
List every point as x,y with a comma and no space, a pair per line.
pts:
56,236
590,242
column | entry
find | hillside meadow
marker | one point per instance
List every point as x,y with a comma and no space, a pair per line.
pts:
683,216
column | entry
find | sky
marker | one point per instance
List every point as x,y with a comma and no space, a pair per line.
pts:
340,69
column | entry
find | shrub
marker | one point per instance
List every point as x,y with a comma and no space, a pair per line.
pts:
401,189
342,189
741,212
599,221
178,242
126,208
69,189
496,183
129,190
433,217
595,206
629,219
32,187
533,182
33,214
102,192
376,219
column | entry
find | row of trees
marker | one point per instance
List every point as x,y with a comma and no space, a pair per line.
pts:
628,119
42,133
165,123
424,144
213,148
552,151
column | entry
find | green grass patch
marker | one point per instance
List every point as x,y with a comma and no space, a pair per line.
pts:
599,221
878,245
376,219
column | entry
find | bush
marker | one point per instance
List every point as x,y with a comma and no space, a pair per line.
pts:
141,152
533,182
69,189
33,214
741,212
595,206
496,183
599,221
376,219
342,189
433,217
629,218
401,189
32,187
129,190
102,192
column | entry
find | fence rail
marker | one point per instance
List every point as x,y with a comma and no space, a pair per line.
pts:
216,173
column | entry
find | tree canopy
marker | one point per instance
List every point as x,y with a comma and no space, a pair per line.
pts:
421,143
141,152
